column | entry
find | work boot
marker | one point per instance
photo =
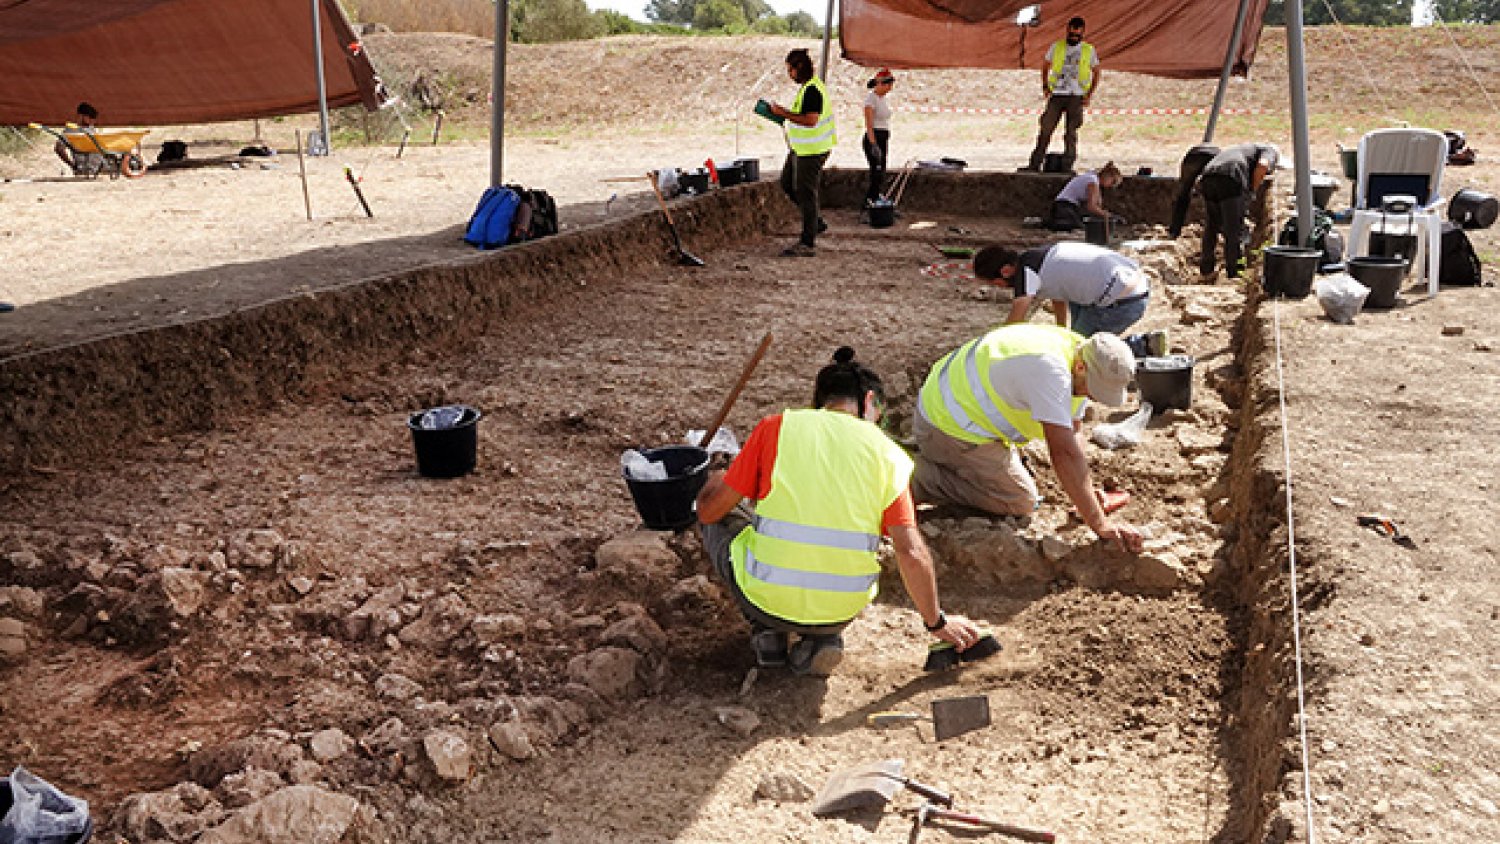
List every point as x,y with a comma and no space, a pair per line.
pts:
822,225
816,656
770,648
799,250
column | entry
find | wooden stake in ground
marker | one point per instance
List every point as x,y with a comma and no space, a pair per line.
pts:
437,127
302,168
354,183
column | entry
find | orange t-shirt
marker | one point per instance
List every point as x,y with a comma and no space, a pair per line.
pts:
750,473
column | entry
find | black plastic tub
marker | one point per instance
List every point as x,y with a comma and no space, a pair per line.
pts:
1288,271
1382,275
751,166
670,504
446,452
1166,382
882,214
693,181
1096,230
730,174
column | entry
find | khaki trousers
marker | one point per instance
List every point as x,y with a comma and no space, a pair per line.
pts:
988,477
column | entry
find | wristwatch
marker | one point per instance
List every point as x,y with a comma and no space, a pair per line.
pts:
942,622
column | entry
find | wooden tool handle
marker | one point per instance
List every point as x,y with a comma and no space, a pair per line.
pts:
891,719
1020,832
760,352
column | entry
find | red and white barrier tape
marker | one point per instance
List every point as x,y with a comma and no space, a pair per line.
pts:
1034,111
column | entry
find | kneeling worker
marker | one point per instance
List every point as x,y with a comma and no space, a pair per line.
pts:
828,483
993,394
1091,288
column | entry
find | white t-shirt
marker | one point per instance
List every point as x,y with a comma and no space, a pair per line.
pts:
881,119
1038,384
1086,275
1067,79
1076,190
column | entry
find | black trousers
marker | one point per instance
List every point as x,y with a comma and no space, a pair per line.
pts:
800,176
1187,175
1226,201
876,155
1065,216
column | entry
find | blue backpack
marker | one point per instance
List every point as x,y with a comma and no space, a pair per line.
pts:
489,228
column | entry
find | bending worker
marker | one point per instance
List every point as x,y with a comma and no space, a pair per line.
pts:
993,394
1228,182
811,136
1091,288
828,483
1082,195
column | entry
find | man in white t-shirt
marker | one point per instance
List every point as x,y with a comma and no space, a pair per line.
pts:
1070,75
1091,288
994,393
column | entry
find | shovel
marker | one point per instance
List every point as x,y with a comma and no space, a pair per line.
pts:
870,785
950,717
684,257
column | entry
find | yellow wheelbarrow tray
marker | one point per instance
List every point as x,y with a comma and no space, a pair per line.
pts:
120,149
119,141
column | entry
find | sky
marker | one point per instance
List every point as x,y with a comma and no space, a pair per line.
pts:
637,8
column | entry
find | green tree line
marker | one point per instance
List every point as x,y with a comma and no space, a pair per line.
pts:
1383,12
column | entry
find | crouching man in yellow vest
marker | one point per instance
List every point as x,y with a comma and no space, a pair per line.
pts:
1018,383
827,482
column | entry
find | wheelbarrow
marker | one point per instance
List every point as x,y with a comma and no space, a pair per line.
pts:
115,152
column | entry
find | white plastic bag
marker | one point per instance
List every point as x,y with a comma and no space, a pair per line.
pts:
724,442
1341,296
1125,433
39,813
638,468
666,182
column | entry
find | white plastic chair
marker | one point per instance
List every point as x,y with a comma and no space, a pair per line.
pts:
1402,161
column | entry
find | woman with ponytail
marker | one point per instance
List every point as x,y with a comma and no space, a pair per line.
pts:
827,483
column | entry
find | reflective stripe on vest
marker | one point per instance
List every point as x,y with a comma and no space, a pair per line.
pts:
819,137
809,556
847,540
1085,64
800,579
963,404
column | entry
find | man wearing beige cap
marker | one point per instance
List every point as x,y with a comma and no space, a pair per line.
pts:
994,393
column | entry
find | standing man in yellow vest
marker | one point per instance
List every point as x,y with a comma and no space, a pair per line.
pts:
810,134
828,483
994,393
1070,74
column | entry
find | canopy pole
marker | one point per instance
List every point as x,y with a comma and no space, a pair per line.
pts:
1301,148
827,37
1229,57
497,95
326,145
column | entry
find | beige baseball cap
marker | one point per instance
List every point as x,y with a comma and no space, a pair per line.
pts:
1110,366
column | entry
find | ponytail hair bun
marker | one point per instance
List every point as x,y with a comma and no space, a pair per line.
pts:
843,354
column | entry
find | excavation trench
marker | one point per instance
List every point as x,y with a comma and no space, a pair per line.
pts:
262,470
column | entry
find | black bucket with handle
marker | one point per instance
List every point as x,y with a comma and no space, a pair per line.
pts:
450,451
1288,270
671,503
1166,382
751,166
1382,275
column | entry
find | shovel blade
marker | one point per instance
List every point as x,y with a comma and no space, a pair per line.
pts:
859,787
955,716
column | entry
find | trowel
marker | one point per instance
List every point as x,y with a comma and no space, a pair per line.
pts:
950,717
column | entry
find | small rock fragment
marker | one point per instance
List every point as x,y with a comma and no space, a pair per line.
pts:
783,788
12,639
449,754
511,739
328,745
1453,330
1054,547
739,720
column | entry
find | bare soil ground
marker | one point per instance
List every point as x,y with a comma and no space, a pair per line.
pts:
288,573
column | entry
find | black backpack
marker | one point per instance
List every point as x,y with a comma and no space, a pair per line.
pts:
1459,264
1324,237
536,216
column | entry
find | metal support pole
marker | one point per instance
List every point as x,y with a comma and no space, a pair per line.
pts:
317,22
827,37
1301,148
497,93
1229,57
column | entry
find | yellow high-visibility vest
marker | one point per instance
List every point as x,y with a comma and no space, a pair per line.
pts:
1085,64
809,554
958,399
819,137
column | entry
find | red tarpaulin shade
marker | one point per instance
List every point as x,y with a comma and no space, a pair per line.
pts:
1183,39
158,62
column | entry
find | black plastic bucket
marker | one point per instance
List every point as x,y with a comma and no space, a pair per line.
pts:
670,504
1166,382
1323,189
882,213
1473,210
730,174
1382,275
1394,246
751,166
1288,270
1052,162
693,181
1096,230
446,452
